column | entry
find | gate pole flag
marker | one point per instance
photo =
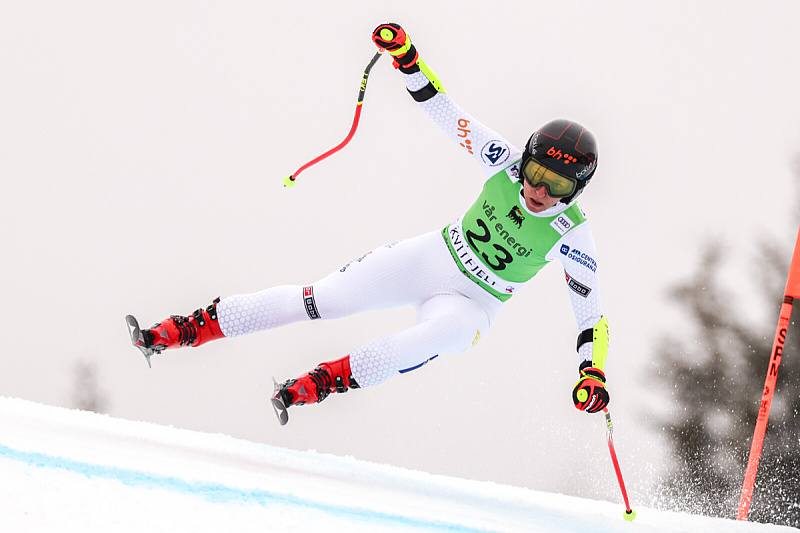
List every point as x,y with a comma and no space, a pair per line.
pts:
791,293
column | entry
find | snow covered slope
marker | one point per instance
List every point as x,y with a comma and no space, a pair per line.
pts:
65,470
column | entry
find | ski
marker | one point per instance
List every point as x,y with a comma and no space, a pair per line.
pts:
137,338
277,404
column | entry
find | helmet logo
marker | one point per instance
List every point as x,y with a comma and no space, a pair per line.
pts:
587,170
552,152
533,143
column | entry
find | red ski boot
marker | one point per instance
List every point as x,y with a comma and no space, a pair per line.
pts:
176,331
334,376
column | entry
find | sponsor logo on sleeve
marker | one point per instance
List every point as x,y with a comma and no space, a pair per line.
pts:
578,288
310,303
463,132
495,153
579,257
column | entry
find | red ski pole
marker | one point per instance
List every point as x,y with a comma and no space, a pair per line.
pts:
289,181
630,514
791,292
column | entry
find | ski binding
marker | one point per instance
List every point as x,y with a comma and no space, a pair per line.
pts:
277,404
137,338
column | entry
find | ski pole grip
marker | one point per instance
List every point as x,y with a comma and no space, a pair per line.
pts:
390,37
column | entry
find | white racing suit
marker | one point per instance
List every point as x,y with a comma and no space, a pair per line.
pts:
456,278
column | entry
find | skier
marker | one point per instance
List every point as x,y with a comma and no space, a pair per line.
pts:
457,278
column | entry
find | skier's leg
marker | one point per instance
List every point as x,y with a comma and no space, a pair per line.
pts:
242,314
446,323
402,273
386,277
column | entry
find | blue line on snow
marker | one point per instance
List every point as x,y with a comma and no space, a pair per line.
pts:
216,493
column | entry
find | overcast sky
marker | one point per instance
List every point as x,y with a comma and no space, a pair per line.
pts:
143,150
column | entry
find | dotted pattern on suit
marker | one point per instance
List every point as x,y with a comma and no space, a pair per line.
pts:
247,313
374,363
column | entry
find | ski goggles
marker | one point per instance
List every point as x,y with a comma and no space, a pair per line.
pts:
536,175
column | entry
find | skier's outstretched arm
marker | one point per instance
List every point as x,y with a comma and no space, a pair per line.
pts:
577,253
489,148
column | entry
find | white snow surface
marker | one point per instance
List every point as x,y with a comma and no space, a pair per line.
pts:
67,470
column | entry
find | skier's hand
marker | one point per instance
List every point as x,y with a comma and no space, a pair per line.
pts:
392,38
589,393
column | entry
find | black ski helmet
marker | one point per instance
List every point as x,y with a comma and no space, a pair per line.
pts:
567,148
